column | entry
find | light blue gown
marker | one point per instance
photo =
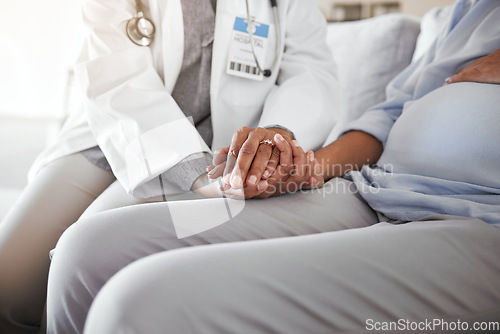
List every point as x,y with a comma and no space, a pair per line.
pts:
441,148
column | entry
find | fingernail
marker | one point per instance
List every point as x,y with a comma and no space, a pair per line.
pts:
311,156
278,137
447,81
252,180
296,143
262,185
236,181
266,174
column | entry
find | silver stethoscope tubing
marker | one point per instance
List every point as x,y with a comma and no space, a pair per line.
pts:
140,30
274,5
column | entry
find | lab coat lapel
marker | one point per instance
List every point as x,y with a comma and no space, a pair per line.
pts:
172,39
227,10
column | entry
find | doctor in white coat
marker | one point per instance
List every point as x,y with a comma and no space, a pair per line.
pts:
132,131
128,102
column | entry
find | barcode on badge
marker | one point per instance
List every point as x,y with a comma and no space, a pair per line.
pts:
234,66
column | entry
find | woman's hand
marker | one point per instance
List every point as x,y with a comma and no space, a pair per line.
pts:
482,70
297,170
288,169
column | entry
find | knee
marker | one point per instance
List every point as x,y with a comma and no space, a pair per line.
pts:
174,290
78,247
80,254
79,268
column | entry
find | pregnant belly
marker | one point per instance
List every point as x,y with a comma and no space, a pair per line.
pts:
452,133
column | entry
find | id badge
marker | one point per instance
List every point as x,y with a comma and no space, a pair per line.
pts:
241,62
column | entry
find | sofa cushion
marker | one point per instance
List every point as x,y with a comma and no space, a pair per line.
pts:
432,23
369,53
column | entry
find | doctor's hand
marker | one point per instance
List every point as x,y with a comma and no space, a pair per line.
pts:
214,188
482,70
211,185
296,170
252,157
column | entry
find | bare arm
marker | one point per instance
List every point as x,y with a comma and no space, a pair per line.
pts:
349,152
309,170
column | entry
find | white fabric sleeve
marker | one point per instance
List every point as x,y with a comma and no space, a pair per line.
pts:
135,120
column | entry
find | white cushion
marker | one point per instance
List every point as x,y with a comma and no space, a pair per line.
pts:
432,23
369,53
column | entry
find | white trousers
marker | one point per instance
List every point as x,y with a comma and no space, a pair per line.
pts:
53,201
329,266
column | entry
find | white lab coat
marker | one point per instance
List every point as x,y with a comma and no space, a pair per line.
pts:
130,114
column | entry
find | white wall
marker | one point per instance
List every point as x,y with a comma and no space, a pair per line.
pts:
39,40
412,7
420,7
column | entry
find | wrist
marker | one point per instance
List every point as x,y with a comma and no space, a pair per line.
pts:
200,182
207,187
327,168
282,131
285,133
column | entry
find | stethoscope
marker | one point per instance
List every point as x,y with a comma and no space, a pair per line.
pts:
141,31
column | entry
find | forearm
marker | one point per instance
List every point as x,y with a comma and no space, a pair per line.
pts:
282,131
349,152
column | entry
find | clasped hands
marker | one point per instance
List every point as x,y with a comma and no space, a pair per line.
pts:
260,163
